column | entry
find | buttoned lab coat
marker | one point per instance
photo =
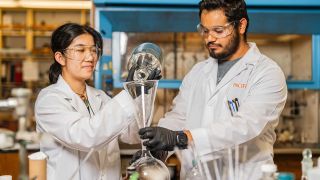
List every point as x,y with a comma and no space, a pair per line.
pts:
202,107
73,133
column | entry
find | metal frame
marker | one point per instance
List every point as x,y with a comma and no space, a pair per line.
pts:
314,83
289,16
281,3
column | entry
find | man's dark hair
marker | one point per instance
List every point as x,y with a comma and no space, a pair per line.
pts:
234,10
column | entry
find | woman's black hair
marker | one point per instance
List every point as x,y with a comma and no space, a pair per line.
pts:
234,10
62,37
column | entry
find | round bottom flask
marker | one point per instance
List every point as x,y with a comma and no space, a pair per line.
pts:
194,173
150,168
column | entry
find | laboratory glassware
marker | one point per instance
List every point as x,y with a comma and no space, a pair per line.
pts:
306,163
143,92
145,58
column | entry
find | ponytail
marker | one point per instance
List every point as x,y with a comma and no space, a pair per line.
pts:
54,72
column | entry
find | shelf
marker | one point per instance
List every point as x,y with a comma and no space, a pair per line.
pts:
44,27
294,150
25,33
13,54
13,32
42,33
13,26
47,4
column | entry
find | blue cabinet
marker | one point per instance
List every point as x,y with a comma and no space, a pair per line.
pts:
289,17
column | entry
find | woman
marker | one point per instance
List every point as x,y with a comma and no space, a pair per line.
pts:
84,123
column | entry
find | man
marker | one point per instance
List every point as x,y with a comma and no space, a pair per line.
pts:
235,97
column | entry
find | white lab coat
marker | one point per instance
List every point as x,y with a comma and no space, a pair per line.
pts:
63,115
201,106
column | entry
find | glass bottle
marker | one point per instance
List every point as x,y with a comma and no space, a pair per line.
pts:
129,171
285,176
150,168
145,58
196,172
306,163
268,172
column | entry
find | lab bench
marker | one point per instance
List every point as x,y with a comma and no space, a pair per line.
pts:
289,159
9,160
286,159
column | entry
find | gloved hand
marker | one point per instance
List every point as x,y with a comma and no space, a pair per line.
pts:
131,73
159,138
161,155
154,75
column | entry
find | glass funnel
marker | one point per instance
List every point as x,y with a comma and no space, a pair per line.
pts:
144,92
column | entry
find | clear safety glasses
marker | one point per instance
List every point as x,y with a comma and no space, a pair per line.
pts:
216,31
82,52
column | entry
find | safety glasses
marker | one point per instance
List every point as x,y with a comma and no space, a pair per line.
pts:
82,52
216,31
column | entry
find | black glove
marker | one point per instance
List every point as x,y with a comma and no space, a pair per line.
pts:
161,155
154,75
131,73
162,139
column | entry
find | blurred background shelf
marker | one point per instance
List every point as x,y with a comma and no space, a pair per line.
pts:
25,31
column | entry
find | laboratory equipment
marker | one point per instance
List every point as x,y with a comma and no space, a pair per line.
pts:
314,173
6,138
268,171
196,172
143,92
20,102
226,164
145,58
306,163
285,176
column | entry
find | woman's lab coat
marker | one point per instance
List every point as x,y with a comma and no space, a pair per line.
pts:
70,132
202,107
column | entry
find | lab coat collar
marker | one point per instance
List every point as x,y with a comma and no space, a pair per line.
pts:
250,58
75,100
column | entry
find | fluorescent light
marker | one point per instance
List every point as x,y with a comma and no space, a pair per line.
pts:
53,4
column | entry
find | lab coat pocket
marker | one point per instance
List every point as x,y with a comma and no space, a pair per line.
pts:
229,108
238,87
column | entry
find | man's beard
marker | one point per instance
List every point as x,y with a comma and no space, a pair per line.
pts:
228,50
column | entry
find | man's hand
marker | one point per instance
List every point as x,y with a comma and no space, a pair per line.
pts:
131,73
159,138
155,75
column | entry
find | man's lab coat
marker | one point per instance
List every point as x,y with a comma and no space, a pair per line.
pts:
62,116
202,107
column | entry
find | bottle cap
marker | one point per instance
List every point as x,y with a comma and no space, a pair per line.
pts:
285,176
307,153
268,168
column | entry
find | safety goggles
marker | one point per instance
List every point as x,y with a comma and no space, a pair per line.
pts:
216,31
81,52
